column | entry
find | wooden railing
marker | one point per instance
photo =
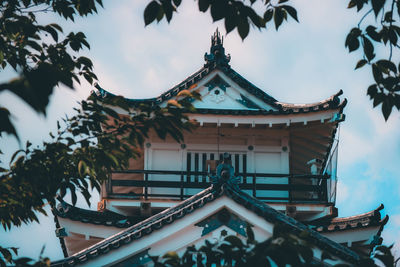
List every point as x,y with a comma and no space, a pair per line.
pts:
292,188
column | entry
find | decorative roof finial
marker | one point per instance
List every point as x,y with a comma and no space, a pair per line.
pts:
217,39
217,55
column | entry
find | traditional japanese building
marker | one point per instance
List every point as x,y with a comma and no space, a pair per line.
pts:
252,160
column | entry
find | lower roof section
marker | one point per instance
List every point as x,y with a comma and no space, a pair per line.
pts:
202,203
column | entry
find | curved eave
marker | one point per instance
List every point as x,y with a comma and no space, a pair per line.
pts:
106,218
365,220
291,111
331,102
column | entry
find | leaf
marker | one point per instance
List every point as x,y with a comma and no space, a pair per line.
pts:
203,5
15,155
351,4
269,13
392,36
306,253
386,64
326,256
378,99
243,28
230,23
368,48
371,31
82,167
361,63
150,12
235,241
56,26
52,31
218,10
398,7
250,233
352,41
396,101
376,72
175,103
168,9
5,123
372,91
177,2
377,5
278,17
386,110
292,11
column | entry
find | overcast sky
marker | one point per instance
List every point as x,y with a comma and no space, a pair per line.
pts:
302,63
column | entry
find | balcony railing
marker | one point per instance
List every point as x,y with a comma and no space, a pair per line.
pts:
183,184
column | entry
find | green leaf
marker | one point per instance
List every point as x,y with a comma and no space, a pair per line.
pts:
203,5
361,63
351,4
398,7
396,101
243,28
292,11
372,91
151,12
326,256
392,36
168,9
235,241
378,99
5,123
56,26
386,64
352,41
177,2
377,5
52,31
278,17
306,253
377,73
218,10
250,233
269,13
230,23
82,167
371,31
386,110
368,48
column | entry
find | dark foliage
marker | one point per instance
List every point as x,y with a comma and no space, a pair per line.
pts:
384,32
36,52
82,153
237,14
282,249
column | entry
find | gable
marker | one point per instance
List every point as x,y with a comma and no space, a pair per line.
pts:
189,230
218,91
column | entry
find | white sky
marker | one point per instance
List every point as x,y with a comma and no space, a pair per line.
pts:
303,62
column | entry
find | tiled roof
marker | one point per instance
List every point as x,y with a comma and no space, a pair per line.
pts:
368,219
217,59
332,102
107,218
179,211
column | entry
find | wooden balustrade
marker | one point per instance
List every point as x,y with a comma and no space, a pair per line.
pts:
264,186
